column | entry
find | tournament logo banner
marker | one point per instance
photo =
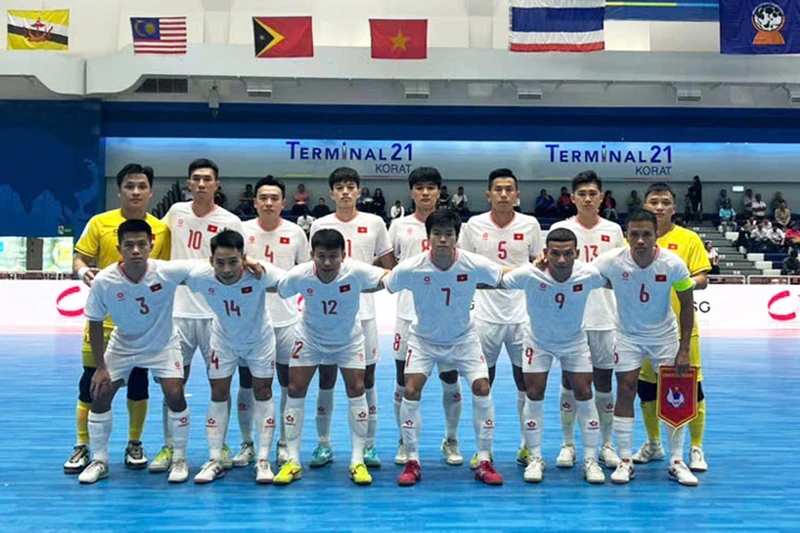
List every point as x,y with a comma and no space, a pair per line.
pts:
759,27
677,396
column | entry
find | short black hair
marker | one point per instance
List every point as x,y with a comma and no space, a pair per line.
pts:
587,177
227,239
560,235
502,173
425,175
344,174
327,238
271,181
203,163
643,215
659,187
133,225
135,168
443,218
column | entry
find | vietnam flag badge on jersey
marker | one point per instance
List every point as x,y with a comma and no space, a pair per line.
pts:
399,39
283,37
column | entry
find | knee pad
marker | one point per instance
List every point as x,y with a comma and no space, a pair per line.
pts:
137,385
700,395
85,385
648,392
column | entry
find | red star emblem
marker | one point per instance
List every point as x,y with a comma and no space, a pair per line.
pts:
531,424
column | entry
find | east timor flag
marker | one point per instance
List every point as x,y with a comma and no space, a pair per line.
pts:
399,39
283,37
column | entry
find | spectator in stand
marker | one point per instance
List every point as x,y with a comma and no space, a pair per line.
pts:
775,239
545,206
759,207
444,199
379,203
411,207
305,220
727,217
634,202
247,194
792,235
713,258
759,237
782,215
300,200
608,209
722,198
365,201
747,204
791,265
460,201
321,209
566,207
219,197
397,210
775,203
246,208
696,199
744,233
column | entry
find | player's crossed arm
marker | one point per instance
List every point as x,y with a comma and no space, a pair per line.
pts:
506,270
381,284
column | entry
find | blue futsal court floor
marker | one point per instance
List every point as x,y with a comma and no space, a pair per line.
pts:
751,447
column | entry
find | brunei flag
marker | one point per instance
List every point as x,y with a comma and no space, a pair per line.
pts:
283,37
38,30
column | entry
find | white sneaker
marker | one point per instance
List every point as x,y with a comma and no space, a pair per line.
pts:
452,456
566,457
179,471
93,473
608,456
225,460
624,472
697,460
592,472
163,460
210,471
649,452
534,471
264,475
678,471
402,457
283,453
245,455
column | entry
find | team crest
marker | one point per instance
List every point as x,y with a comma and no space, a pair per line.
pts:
677,396
768,19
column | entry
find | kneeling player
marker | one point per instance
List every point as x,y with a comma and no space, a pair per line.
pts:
443,283
556,303
328,333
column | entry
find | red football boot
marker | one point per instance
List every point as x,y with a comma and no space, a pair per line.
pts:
411,474
486,473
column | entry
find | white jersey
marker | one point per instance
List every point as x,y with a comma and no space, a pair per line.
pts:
512,245
442,298
365,238
409,238
556,308
601,309
141,311
284,247
241,319
643,294
330,311
191,239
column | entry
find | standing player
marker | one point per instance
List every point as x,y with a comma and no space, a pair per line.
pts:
686,244
192,225
241,332
329,331
284,244
510,239
409,238
643,277
556,302
443,282
595,235
366,240
99,243
138,294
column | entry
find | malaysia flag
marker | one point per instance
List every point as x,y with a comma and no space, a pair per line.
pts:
159,35
556,25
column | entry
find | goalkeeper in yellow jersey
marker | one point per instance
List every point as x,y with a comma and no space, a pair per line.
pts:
660,200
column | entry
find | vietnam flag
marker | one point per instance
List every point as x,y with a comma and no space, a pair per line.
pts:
283,37
399,39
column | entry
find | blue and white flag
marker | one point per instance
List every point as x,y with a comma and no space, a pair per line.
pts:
556,25
759,27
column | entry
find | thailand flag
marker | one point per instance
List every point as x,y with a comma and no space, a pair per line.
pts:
556,25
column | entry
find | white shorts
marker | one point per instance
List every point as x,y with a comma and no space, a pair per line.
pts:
494,336
400,345
309,353
633,353
537,359
166,363
369,328
466,357
284,343
194,333
260,360
603,345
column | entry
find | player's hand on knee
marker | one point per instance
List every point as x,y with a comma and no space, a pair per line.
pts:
101,383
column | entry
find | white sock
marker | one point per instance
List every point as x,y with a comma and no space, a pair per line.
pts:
451,401
324,416
520,408
295,414
100,425
165,423
533,414
264,414
246,401
179,429
284,396
483,423
589,426
397,400
410,428
675,440
227,421
359,427
623,427
567,407
372,426
216,422
605,410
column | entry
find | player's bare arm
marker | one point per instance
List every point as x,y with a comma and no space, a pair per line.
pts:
387,261
381,284
686,319
81,268
101,377
506,270
701,280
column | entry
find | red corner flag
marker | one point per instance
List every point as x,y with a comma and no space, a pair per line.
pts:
283,37
399,39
